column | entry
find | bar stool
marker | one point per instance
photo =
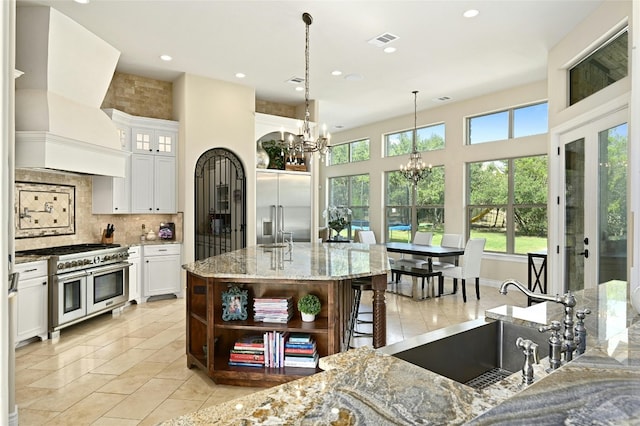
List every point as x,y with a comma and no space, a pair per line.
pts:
358,286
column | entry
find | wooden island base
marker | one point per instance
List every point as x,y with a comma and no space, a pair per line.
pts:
210,339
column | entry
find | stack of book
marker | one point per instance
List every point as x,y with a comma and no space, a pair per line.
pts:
274,343
273,309
300,351
248,351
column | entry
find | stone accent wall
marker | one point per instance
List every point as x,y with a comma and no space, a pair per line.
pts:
272,108
89,226
141,96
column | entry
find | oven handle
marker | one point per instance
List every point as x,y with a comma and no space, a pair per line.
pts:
110,268
71,276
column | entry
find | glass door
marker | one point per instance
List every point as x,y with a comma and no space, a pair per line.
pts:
595,202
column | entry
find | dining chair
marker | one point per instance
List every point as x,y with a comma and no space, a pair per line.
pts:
365,237
469,267
448,240
422,238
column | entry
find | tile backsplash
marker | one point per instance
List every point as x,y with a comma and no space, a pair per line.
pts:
89,227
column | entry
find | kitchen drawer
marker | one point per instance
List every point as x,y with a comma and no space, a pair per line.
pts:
31,269
134,252
161,249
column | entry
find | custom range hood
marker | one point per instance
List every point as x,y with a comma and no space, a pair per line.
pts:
67,71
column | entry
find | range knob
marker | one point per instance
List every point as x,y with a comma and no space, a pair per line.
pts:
86,261
106,257
67,264
96,260
60,265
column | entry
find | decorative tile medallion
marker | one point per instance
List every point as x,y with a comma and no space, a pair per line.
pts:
44,209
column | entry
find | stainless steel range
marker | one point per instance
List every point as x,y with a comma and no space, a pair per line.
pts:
84,280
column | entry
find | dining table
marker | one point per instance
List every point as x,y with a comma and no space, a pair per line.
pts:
428,251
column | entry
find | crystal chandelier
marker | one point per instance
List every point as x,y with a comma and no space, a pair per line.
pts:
416,169
305,142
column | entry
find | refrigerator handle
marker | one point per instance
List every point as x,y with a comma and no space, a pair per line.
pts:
281,223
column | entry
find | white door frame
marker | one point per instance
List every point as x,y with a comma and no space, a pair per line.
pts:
556,239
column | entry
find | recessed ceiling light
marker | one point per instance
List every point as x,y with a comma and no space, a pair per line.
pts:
338,126
166,58
82,1
353,77
240,75
389,49
299,89
471,13
336,72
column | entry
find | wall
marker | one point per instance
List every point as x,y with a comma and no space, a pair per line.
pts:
89,226
496,267
212,114
141,96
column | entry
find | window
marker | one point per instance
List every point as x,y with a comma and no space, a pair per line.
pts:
511,123
352,192
606,65
427,213
429,138
350,152
508,204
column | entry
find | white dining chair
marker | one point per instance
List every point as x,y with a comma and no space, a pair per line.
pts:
448,240
421,238
365,237
468,268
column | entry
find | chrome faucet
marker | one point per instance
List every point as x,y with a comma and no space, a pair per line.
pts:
568,300
530,351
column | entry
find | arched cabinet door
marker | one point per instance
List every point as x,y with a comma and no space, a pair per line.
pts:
220,203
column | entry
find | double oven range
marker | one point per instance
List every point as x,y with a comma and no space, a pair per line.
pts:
84,280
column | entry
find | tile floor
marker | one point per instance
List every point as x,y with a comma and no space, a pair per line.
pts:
131,369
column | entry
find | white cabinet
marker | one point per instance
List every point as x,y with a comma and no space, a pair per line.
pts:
135,274
161,270
32,305
150,182
153,184
159,139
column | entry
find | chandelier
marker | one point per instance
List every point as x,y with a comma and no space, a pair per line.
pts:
415,170
305,142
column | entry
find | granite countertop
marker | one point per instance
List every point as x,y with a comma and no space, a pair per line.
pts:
302,261
19,259
364,386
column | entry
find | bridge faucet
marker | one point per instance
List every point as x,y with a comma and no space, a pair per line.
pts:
568,300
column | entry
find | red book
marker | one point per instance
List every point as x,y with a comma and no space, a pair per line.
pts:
246,357
299,351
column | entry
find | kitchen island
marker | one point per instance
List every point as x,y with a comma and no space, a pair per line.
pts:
279,271
364,386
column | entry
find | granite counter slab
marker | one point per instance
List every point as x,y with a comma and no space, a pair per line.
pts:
302,261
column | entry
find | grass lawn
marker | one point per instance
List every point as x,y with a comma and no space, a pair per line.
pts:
496,241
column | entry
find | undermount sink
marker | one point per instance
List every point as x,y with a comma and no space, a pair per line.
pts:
477,353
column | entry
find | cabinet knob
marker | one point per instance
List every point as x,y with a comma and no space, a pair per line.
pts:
150,209
44,283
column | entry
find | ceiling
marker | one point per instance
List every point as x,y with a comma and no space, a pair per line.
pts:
439,52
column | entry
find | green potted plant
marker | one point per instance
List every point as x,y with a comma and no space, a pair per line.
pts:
309,306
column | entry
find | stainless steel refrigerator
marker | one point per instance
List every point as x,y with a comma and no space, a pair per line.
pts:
283,205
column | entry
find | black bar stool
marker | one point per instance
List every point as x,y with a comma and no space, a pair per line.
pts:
358,286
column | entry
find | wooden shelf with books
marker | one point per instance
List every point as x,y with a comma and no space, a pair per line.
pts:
219,337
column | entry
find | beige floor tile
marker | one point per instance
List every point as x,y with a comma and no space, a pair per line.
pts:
169,409
62,359
63,398
112,421
88,410
141,403
197,388
31,417
132,379
68,373
177,370
124,361
116,347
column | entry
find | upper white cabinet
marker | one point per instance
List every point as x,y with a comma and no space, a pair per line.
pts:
154,140
150,183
